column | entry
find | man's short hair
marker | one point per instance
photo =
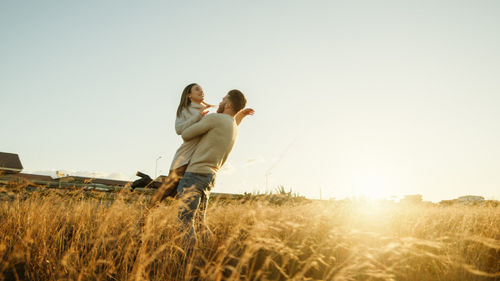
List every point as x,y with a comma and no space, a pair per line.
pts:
237,100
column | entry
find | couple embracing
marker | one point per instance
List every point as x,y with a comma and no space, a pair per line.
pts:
208,140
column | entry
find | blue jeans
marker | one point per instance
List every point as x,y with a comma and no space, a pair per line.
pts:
193,193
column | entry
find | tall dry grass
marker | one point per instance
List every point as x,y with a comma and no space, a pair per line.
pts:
57,235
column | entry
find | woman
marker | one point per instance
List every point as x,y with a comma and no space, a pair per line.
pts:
191,109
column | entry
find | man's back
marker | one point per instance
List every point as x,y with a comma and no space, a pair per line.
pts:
219,135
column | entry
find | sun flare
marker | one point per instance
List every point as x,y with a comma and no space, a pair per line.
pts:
372,187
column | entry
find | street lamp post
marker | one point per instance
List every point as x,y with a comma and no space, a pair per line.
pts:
156,166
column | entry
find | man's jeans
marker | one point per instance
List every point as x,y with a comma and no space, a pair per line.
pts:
193,191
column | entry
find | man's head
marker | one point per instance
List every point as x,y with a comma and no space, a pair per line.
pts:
232,103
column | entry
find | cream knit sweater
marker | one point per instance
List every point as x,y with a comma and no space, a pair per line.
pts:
218,133
189,116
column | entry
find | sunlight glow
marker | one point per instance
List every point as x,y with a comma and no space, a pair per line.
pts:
371,187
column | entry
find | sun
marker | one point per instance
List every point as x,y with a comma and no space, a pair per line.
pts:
371,187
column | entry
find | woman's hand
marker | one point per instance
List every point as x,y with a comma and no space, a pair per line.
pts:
204,111
207,105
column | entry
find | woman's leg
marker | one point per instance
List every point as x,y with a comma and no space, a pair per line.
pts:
173,181
169,188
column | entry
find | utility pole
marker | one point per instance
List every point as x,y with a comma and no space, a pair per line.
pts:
268,173
156,165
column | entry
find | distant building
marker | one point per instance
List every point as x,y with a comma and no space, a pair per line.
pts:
470,199
467,199
10,163
11,167
32,177
108,182
162,179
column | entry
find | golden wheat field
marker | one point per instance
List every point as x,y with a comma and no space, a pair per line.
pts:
61,235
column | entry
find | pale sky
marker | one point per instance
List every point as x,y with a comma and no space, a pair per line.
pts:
374,98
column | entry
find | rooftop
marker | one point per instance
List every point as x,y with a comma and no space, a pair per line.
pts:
10,163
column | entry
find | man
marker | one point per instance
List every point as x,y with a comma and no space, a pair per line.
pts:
168,185
218,133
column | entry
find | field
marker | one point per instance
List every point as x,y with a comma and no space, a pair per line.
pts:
61,235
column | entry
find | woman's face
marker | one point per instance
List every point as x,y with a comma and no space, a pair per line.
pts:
196,94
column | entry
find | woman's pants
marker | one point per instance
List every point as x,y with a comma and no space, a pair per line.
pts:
169,188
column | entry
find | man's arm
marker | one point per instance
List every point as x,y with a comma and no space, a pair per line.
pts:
199,128
182,124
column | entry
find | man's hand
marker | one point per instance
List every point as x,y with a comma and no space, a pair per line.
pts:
247,111
242,114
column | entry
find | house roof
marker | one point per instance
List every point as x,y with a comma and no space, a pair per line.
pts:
33,177
111,182
10,163
95,180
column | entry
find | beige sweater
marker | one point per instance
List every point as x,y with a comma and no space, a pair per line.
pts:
218,133
189,116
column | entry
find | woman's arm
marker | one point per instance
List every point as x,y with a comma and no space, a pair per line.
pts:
182,123
242,114
207,105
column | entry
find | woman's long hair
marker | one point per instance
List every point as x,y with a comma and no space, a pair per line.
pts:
185,100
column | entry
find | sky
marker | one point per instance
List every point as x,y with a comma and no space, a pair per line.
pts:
351,98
